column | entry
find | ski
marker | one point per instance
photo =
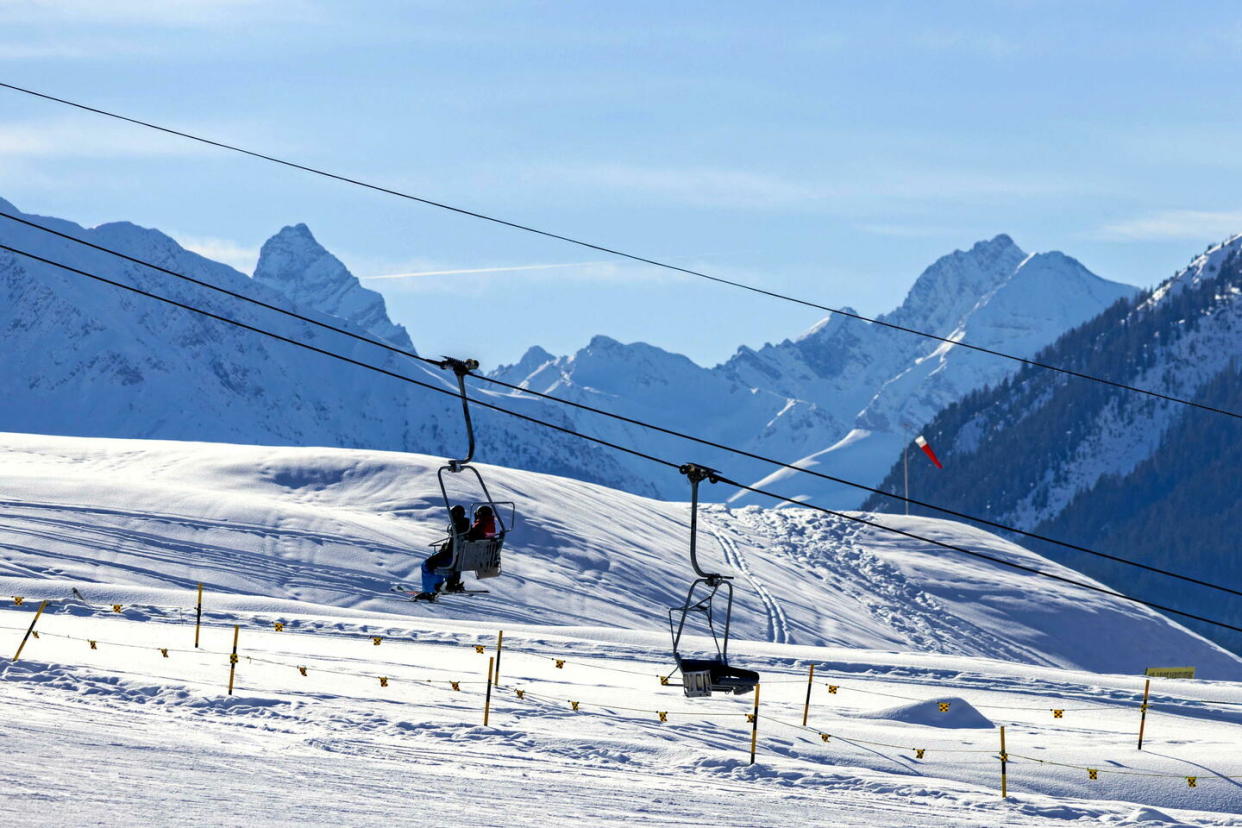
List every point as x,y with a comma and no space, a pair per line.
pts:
410,591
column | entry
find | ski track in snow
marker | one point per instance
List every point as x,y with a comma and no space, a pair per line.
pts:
778,624
857,574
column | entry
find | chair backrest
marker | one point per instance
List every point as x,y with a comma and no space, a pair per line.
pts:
696,684
482,557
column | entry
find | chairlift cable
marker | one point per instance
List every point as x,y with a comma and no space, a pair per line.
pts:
234,294
621,253
973,553
334,355
631,420
609,444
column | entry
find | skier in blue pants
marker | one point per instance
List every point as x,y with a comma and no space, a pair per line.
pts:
432,581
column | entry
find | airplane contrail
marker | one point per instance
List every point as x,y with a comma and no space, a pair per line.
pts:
481,270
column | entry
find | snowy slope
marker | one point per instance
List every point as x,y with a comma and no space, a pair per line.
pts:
1123,473
121,734
336,527
119,731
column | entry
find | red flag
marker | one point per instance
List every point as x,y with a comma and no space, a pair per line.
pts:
921,443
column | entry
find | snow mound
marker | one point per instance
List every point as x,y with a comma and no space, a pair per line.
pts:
1149,816
961,713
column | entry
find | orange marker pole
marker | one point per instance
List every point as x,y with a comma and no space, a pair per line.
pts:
26,637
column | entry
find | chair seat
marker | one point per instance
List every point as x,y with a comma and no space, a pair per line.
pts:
720,676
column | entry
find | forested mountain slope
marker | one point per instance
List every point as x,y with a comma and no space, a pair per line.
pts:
1122,472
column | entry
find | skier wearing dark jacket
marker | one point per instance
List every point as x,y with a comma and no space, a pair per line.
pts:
459,526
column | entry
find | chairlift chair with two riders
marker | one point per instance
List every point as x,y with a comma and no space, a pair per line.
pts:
700,676
482,556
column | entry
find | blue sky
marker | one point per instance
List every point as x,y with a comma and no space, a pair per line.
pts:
828,149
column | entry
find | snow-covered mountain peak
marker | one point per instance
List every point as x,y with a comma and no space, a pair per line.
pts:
1204,266
145,242
1054,262
534,359
954,283
605,362
535,355
826,327
600,342
1054,287
296,264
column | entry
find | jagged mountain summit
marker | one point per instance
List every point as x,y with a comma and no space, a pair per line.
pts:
87,359
1124,473
844,396
994,296
295,264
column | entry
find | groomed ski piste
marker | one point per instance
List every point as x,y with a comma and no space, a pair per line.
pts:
113,716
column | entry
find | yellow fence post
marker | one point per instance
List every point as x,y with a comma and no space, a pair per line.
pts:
1004,760
233,657
754,727
198,619
25,637
487,700
810,682
1143,713
500,642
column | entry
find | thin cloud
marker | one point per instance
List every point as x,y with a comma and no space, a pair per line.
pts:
1174,224
70,139
235,255
512,269
480,281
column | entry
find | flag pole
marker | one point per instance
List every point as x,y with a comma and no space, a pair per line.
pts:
905,468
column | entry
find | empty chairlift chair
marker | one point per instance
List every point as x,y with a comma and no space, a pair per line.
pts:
703,676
